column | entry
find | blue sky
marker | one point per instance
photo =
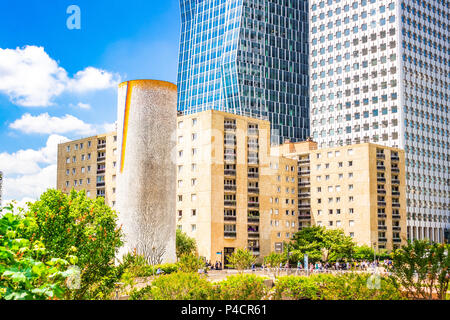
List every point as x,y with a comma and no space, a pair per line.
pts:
52,77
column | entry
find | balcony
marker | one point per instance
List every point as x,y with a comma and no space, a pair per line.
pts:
303,161
100,184
229,126
304,206
229,203
252,146
382,203
229,187
396,228
230,143
396,193
252,204
229,234
382,240
253,161
229,172
253,175
380,179
304,183
101,146
253,219
253,190
382,168
381,191
382,215
396,216
382,228
380,156
304,195
395,169
397,240
252,131
304,172
99,171
101,159
304,217
229,218
253,234
230,158
255,250
395,181
395,205
395,158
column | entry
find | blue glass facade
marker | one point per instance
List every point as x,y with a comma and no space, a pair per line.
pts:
247,57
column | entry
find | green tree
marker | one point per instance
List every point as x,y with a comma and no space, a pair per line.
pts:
363,253
27,271
241,259
184,244
322,244
75,225
422,268
273,261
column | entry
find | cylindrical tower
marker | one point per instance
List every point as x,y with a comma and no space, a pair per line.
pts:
146,171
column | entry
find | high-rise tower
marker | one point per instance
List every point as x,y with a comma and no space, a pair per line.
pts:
247,57
380,72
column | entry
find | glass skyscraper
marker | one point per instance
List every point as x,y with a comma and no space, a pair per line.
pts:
380,72
247,57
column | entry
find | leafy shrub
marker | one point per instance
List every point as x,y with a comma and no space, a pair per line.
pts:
75,225
180,286
241,259
241,287
137,267
27,271
349,286
190,263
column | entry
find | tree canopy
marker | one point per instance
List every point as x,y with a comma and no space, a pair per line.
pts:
322,244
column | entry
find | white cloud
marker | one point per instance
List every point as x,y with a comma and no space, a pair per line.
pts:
31,78
84,106
29,161
45,124
91,79
29,173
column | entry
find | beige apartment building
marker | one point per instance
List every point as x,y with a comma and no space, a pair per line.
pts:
358,188
231,193
89,164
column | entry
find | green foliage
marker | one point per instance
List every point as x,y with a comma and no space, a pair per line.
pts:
27,271
363,253
322,244
241,259
180,286
422,267
350,286
76,225
274,259
184,244
241,287
190,263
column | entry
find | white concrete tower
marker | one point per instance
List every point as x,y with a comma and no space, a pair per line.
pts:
146,176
